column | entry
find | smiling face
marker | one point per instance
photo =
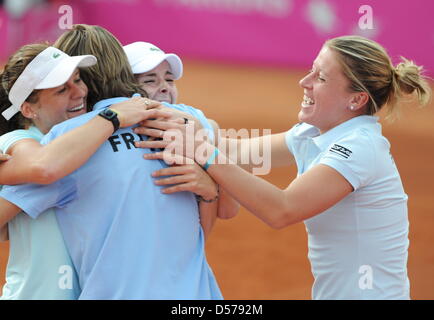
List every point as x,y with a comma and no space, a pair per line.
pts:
57,104
159,83
327,96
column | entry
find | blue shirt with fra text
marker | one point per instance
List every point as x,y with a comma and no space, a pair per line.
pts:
126,239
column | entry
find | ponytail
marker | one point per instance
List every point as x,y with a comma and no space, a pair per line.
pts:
409,79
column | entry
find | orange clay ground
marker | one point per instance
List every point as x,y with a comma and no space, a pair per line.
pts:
253,261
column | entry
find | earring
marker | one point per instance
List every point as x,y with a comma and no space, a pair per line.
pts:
352,108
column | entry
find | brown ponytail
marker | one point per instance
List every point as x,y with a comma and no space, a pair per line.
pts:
408,79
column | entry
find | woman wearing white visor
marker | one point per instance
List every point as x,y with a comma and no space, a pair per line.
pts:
40,87
155,70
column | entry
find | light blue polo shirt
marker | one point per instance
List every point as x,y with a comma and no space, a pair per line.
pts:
39,266
126,239
357,248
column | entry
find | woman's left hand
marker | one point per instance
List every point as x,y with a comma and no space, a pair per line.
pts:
187,177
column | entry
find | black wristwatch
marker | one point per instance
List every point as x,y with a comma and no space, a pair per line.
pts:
112,116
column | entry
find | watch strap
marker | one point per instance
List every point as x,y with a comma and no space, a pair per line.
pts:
112,116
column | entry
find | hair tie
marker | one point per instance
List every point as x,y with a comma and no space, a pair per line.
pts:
395,74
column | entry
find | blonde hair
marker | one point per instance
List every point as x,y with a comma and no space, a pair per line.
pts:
369,69
112,75
12,70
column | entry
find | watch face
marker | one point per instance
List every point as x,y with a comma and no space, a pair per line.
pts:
111,116
109,113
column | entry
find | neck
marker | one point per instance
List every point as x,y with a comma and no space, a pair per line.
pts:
340,121
39,126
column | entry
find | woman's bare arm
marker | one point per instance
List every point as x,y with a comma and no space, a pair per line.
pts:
34,163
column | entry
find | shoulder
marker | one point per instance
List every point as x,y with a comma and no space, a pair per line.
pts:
74,122
302,129
361,141
354,155
14,134
8,139
298,133
65,126
207,124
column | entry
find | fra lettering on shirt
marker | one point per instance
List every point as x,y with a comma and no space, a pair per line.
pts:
126,139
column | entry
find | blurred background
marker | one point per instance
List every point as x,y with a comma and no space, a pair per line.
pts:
242,63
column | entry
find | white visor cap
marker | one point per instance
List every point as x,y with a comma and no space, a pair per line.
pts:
49,69
144,56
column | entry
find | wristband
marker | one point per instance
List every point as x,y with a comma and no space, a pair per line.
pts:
210,160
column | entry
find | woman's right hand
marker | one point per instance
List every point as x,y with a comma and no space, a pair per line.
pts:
137,109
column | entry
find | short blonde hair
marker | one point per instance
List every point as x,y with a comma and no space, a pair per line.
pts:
369,69
112,75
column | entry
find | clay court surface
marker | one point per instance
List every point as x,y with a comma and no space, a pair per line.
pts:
253,261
